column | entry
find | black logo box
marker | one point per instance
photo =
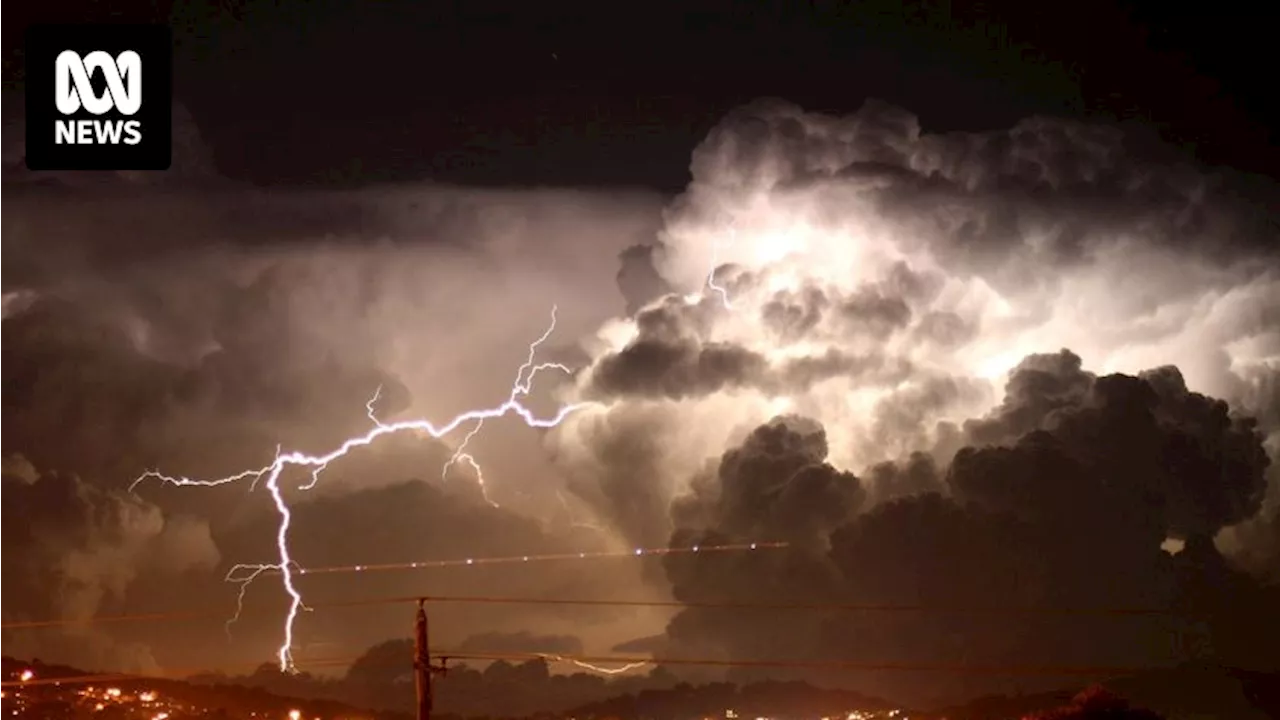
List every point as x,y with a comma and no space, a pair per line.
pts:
154,45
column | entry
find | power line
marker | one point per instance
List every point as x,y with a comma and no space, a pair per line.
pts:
519,559
825,607
418,565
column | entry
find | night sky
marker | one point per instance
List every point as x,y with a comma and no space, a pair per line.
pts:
513,93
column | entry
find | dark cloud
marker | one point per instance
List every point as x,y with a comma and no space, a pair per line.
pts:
1037,387
676,369
73,550
648,644
84,394
945,328
669,359
801,373
623,479
1073,483
777,485
1118,441
917,474
792,315
874,314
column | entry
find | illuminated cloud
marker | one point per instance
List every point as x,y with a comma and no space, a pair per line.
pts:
883,281
1014,344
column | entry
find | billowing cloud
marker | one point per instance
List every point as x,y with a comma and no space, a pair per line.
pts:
884,281
72,551
777,485
1138,441
909,295
1069,512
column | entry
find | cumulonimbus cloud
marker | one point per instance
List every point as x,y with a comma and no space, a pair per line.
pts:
854,341
884,281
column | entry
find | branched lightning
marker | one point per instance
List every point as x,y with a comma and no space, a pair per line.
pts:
522,385
235,576
368,407
316,464
461,455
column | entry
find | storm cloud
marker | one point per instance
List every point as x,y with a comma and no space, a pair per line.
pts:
1070,514
947,449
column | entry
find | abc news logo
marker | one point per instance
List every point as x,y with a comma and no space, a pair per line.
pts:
74,91
99,97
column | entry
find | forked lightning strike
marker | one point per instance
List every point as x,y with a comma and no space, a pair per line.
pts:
461,455
233,576
522,386
245,574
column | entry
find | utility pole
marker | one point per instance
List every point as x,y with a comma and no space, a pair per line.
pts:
422,667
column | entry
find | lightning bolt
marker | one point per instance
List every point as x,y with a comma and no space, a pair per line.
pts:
368,407
711,282
252,571
461,455
715,265
522,385
595,668
316,464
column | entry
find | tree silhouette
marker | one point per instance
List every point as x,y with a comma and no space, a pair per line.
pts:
1095,703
